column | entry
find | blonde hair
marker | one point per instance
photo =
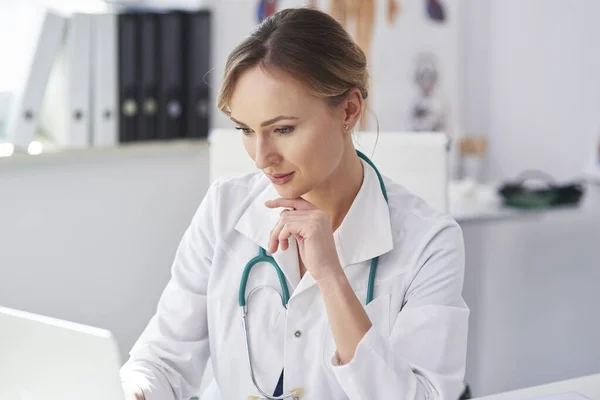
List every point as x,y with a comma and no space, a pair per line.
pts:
307,44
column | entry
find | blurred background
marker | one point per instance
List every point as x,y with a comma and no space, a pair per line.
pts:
107,124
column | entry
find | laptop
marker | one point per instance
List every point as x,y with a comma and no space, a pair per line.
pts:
43,358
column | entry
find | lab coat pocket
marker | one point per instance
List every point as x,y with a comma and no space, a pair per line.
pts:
378,311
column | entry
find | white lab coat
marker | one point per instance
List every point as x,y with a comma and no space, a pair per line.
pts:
416,348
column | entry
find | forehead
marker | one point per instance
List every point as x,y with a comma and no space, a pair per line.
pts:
259,95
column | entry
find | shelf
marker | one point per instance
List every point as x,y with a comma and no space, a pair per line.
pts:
129,150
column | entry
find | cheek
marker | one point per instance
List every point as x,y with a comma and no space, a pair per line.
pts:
322,153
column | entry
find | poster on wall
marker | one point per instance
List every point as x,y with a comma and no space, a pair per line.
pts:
413,50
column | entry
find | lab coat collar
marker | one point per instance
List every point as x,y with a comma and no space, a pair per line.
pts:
365,232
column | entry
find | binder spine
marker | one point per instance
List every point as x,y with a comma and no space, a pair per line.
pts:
128,77
198,67
79,81
147,129
172,110
24,117
105,119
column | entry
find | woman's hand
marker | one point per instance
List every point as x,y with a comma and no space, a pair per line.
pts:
312,229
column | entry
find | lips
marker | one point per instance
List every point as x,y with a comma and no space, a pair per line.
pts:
280,179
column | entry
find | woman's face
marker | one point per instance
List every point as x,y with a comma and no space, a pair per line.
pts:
296,139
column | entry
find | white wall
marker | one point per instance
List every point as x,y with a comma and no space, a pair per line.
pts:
90,236
545,87
476,46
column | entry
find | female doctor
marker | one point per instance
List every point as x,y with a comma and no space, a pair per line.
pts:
320,321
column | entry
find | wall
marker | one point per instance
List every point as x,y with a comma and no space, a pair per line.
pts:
476,71
545,88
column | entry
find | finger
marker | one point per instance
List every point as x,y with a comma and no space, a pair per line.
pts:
290,229
295,215
272,247
273,238
284,235
298,204
286,216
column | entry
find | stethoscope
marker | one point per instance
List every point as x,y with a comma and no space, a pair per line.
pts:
262,256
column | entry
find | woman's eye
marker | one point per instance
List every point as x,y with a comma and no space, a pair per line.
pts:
285,130
246,131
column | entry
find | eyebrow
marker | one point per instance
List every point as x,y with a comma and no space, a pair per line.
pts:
268,122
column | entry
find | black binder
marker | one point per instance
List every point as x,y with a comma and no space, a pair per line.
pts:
148,77
128,76
198,65
171,106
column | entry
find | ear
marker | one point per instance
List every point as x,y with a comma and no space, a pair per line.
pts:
353,107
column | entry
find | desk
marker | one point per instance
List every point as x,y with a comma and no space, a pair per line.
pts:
531,282
479,213
588,386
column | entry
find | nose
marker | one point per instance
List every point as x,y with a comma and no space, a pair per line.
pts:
265,153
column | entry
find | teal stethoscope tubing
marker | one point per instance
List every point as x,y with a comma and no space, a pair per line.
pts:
285,294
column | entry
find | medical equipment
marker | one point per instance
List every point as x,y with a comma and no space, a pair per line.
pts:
262,256
535,189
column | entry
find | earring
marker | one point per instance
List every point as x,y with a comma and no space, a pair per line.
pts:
346,127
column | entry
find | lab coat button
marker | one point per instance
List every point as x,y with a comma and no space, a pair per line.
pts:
297,333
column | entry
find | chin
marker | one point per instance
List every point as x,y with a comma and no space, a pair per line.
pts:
289,192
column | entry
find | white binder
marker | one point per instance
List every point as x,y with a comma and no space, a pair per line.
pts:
66,109
5,98
25,112
79,42
105,116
